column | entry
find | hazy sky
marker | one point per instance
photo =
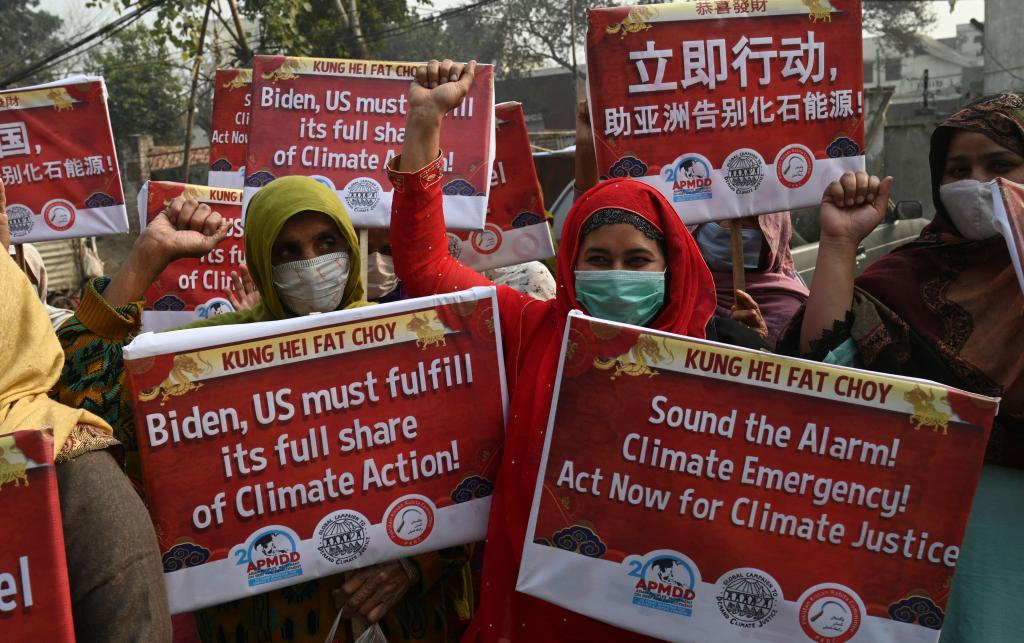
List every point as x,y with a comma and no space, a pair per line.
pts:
81,19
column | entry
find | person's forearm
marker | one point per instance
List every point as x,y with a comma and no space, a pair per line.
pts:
136,275
422,139
831,290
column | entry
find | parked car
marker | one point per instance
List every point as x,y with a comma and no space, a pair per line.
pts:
902,224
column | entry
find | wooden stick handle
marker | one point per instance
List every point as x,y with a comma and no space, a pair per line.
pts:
739,275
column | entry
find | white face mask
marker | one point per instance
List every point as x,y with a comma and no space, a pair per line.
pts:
380,275
969,204
312,285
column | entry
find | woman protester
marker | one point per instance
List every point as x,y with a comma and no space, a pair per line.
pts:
946,307
301,252
771,278
625,256
114,572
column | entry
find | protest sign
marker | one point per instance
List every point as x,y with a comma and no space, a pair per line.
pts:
230,136
729,495
517,228
278,452
342,121
190,289
1009,220
729,108
58,163
35,602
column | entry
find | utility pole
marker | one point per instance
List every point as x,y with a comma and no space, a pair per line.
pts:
190,119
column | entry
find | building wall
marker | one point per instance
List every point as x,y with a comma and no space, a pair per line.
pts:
1004,46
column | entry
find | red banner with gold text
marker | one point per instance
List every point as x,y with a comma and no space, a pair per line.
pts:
726,494
278,452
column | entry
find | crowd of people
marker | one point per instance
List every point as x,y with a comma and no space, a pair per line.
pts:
946,307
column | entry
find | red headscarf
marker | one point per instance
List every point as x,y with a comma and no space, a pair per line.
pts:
532,359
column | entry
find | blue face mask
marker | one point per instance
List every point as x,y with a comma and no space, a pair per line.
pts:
626,296
716,245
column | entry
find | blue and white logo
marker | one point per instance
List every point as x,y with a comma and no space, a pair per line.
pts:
690,176
270,555
665,580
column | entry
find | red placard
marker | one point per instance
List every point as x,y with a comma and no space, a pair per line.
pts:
728,494
517,228
35,602
58,163
1009,220
278,452
190,289
729,108
230,136
341,121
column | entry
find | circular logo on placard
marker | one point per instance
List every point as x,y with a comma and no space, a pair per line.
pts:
342,536
59,214
749,598
20,220
830,613
362,195
744,171
486,241
409,520
794,166
690,178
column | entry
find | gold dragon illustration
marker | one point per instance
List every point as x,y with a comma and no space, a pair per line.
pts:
240,81
645,354
62,100
635,22
179,380
925,411
285,72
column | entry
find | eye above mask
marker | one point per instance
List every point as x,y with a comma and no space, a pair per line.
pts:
626,296
715,242
312,285
969,204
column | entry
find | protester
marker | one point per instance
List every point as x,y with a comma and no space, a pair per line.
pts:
299,248
625,256
114,569
946,307
35,269
771,278
738,320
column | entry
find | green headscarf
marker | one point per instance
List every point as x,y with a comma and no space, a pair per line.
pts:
267,213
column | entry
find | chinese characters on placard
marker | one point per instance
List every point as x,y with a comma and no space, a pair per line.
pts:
709,63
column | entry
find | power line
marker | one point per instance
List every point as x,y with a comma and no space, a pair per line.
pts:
401,30
103,33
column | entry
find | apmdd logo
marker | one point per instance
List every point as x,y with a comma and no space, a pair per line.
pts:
664,580
690,176
269,555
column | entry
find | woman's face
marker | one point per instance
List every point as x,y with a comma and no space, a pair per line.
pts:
975,156
307,235
619,246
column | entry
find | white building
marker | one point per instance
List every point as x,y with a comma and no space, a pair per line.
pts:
943,60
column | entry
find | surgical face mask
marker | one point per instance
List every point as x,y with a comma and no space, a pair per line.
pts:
380,275
970,206
716,245
627,296
312,285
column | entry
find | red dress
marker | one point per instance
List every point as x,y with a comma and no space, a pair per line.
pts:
531,333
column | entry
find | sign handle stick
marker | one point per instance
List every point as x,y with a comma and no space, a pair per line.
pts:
19,256
739,277
364,256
